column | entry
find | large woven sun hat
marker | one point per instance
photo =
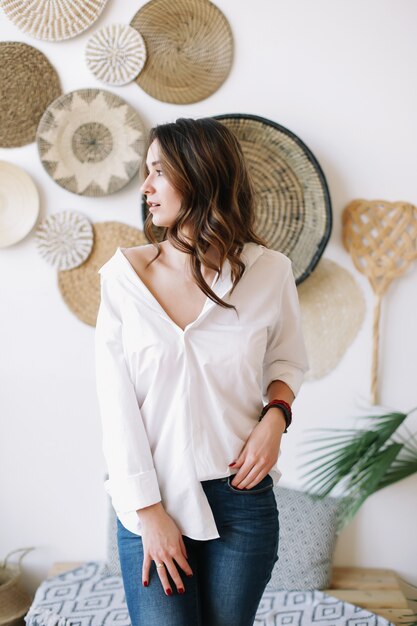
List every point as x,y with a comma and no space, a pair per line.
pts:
381,237
53,21
19,204
332,313
80,287
116,54
65,239
189,48
293,208
91,142
28,84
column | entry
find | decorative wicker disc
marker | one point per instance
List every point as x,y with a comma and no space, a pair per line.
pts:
116,54
80,287
90,141
19,204
65,239
293,209
28,84
332,312
189,49
53,20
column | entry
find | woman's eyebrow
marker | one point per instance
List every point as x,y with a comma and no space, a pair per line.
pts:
154,163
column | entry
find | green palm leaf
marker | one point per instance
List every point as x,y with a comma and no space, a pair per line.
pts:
364,481
359,462
399,469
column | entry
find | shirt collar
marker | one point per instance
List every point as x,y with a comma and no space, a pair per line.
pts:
250,253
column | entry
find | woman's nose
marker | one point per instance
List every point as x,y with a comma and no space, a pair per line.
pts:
146,186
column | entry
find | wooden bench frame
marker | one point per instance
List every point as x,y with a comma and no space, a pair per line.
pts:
377,590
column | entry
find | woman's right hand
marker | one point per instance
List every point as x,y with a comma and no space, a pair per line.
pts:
162,543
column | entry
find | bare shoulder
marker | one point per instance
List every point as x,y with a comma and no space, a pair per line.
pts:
139,256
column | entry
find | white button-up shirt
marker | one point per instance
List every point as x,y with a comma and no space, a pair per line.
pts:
177,406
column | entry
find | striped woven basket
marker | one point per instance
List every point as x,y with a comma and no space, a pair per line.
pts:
14,600
53,21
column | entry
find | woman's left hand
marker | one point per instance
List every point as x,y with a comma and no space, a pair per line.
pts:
260,451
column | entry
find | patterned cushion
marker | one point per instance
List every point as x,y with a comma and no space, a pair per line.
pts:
85,596
307,539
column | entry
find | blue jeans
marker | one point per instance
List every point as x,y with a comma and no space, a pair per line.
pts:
230,572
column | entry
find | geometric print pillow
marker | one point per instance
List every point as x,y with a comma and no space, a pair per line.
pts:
85,596
307,540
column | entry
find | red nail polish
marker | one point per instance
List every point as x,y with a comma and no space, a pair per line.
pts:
231,464
181,590
145,583
189,575
168,592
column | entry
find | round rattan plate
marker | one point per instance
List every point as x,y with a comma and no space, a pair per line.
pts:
332,312
293,208
53,21
19,204
28,84
80,287
91,142
116,54
65,239
189,49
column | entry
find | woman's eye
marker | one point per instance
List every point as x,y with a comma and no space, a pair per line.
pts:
159,172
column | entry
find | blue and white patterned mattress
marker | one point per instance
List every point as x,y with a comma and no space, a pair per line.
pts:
86,596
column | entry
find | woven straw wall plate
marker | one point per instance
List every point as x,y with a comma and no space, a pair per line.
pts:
91,142
19,204
80,287
189,49
28,84
116,54
293,208
332,313
53,21
65,239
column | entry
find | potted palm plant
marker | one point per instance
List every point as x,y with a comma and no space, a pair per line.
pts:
355,463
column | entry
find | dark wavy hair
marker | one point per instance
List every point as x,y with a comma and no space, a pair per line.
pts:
204,162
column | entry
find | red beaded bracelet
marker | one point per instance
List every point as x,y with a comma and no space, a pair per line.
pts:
284,406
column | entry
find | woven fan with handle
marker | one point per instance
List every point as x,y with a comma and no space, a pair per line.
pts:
382,240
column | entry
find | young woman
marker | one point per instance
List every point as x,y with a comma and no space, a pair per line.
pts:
191,342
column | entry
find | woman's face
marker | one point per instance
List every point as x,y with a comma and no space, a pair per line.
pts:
163,200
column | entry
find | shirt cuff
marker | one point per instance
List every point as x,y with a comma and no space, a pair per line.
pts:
133,492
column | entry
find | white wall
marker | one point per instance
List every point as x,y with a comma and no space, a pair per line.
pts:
341,75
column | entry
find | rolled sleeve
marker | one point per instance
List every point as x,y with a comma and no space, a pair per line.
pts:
133,492
286,355
132,481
